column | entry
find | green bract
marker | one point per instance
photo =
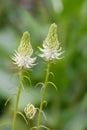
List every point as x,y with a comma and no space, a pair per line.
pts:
25,47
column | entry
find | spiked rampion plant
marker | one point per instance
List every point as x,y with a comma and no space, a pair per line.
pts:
51,51
22,58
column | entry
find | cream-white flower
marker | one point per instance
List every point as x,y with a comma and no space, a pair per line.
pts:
22,57
50,54
23,61
51,47
30,111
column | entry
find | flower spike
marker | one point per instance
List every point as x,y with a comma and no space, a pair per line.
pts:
51,46
22,57
25,47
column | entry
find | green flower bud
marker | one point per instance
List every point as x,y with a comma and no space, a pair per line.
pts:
30,111
52,40
25,47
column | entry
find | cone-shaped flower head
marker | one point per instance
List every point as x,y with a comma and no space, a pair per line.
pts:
51,40
25,47
51,46
30,111
22,57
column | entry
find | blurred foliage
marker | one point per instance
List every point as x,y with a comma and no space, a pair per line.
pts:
67,107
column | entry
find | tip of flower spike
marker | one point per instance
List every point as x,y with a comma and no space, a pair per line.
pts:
53,25
25,47
26,36
53,30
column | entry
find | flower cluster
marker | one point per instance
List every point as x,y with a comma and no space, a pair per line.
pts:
30,111
51,47
22,57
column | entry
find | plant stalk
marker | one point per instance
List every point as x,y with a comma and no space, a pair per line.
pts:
17,99
43,96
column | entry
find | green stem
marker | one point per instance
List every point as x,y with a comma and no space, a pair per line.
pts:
43,96
17,99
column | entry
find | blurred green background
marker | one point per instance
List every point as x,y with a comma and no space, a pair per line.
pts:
67,107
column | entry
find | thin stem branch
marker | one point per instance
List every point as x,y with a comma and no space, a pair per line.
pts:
43,96
17,98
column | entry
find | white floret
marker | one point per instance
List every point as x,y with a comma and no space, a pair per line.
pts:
51,53
23,61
